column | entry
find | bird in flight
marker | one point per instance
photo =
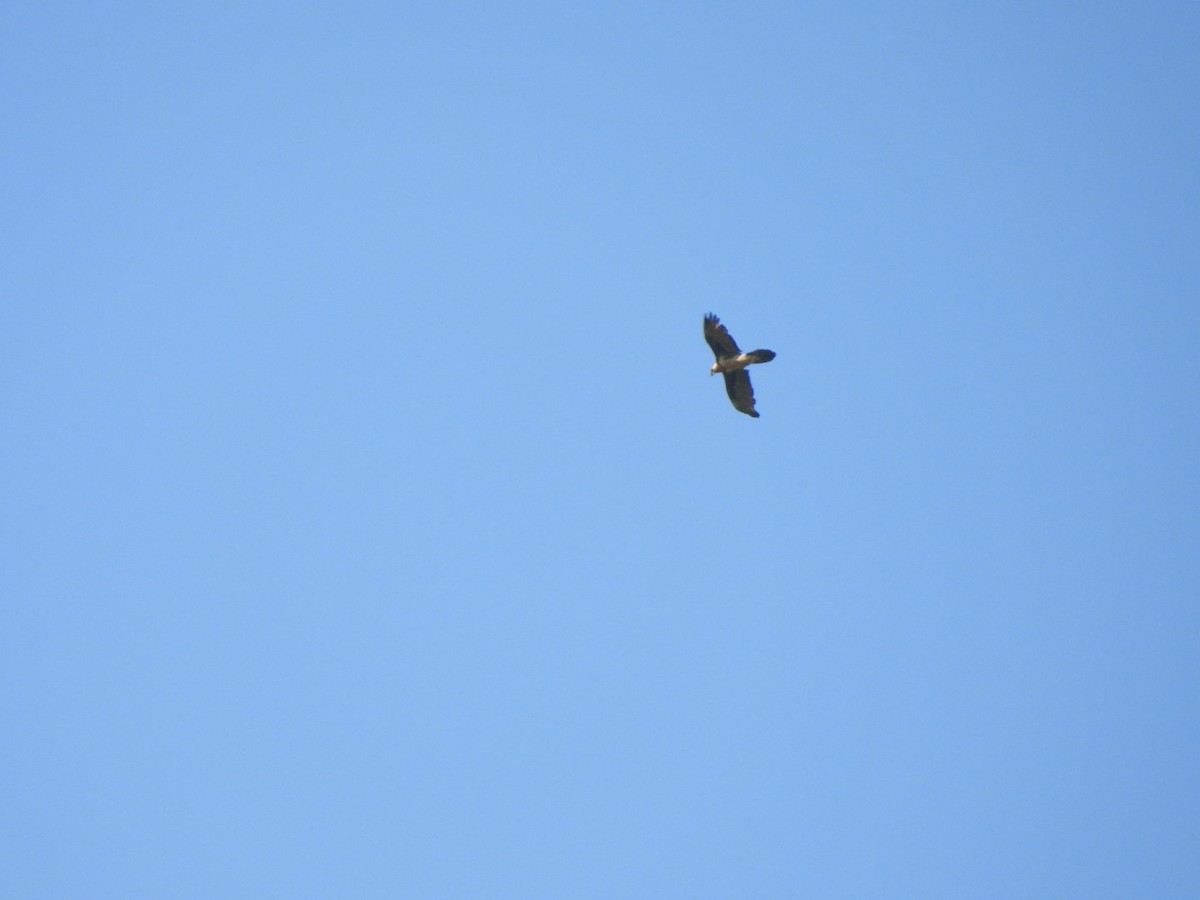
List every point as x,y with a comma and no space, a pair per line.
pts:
731,362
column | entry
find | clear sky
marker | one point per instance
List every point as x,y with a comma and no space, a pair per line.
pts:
372,528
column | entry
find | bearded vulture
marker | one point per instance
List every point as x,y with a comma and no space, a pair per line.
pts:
731,362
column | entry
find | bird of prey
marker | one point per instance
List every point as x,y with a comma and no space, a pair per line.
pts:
731,362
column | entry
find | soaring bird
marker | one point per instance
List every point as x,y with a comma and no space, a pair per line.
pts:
731,362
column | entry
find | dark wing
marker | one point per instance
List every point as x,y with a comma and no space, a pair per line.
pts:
741,394
718,338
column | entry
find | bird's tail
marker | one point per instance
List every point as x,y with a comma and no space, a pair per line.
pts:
761,356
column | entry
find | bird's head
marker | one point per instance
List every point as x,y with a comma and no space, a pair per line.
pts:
715,369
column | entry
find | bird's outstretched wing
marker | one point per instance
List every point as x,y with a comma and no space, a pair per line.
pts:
722,342
741,393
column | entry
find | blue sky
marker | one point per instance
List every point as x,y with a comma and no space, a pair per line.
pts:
372,528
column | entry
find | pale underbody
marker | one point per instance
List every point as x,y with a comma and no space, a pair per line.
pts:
732,363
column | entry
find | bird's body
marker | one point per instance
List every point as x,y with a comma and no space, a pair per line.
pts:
731,362
734,363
